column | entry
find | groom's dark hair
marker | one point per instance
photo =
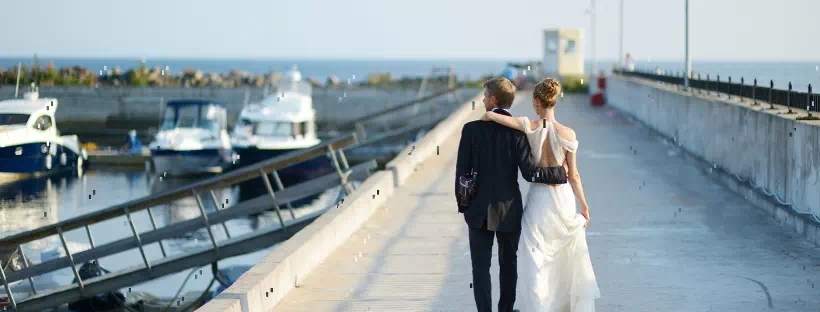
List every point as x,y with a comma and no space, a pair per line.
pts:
502,89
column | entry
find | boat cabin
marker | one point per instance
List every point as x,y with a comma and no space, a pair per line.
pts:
195,114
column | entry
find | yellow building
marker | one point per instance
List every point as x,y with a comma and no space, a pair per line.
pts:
563,52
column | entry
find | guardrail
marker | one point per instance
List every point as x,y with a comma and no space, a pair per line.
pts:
218,250
360,122
744,91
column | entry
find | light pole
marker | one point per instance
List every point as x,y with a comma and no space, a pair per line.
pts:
592,34
621,35
688,65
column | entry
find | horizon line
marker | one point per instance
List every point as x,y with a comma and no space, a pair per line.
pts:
382,59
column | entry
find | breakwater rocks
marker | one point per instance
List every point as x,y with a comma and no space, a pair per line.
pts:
140,76
143,76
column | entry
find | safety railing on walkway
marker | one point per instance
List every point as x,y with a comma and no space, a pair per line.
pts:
750,91
217,250
389,125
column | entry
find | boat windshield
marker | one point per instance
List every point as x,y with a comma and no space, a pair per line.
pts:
13,119
301,87
273,128
193,116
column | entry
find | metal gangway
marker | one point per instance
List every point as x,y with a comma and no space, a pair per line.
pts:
391,128
216,250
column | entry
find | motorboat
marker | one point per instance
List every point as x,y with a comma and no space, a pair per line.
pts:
281,123
193,139
30,144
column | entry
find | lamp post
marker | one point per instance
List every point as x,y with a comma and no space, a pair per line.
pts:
688,60
591,12
621,35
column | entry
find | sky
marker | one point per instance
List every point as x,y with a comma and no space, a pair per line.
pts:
738,30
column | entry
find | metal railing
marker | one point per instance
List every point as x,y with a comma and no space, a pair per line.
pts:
753,92
217,250
387,125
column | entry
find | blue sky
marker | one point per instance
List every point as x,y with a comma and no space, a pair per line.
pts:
391,29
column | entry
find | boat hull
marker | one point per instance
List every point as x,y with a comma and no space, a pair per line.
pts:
189,162
37,158
301,172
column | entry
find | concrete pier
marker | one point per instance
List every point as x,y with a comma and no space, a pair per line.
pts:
664,235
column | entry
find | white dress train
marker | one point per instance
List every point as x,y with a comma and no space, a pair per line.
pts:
554,269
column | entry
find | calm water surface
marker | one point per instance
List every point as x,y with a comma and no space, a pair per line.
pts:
32,203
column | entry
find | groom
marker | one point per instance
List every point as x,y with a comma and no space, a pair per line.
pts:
497,208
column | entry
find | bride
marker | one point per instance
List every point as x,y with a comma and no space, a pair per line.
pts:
554,268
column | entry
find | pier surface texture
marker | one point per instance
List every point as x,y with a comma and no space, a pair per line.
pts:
665,236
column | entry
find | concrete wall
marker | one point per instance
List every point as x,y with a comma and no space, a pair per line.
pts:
269,281
773,151
86,105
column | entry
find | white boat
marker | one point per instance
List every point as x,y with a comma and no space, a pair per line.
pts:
281,123
30,144
192,139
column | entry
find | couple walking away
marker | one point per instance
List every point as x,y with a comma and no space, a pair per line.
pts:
555,268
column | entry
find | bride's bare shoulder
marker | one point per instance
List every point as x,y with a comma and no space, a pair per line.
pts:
565,132
534,123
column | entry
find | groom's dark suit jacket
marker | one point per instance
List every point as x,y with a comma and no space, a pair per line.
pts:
503,151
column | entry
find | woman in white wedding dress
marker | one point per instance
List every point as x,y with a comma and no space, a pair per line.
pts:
554,269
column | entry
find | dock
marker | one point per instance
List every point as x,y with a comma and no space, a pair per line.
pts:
114,158
664,236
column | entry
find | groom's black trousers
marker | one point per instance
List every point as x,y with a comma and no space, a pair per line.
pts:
481,253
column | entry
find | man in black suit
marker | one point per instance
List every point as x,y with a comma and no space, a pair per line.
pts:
497,207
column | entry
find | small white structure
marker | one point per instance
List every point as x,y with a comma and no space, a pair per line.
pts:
563,52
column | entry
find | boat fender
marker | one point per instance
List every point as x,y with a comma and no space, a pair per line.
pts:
63,159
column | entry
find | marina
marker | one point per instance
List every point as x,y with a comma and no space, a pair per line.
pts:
193,144
172,156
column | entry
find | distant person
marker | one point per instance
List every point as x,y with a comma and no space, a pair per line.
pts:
556,270
132,143
629,63
495,153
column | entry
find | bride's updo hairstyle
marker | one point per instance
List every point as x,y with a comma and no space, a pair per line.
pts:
547,92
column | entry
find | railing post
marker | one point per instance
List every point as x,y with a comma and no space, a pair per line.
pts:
25,265
789,99
771,89
281,187
154,225
717,85
216,204
754,96
809,101
137,236
342,174
91,240
8,289
273,196
343,158
700,90
206,222
729,89
70,260
707,85
741,89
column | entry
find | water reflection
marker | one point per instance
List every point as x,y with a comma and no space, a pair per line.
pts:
33,203
187,208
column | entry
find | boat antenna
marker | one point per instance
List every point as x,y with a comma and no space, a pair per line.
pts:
17,89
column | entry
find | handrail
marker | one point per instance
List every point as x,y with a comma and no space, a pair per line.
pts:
404,105
255,205
246,173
